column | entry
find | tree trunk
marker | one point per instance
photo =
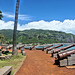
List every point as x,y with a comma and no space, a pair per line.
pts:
15,52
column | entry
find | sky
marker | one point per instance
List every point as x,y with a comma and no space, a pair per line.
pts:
56,15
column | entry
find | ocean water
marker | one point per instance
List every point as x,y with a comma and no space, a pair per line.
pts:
27,47
36,46
53,46
71,48
63,45
60,46
41,46
67,45
45,46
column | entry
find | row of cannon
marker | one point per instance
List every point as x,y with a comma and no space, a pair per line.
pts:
6,48
63,56
60,52
11,46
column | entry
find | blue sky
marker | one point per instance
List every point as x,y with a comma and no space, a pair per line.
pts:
41,9
36,10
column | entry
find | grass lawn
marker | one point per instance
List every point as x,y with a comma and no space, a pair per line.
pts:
15,62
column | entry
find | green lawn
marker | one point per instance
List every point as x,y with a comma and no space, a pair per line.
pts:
15,61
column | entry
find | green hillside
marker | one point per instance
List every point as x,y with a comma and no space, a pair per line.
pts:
2,38
39,36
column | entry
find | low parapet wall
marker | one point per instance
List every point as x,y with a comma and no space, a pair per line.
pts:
7,70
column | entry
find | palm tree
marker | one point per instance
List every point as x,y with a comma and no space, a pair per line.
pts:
1,16
14,52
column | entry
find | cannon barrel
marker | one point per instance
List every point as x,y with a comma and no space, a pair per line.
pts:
3,47
32,47
65,54
54,47
21,46
48,46
10,47
63,48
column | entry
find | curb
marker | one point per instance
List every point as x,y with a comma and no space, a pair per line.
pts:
19,66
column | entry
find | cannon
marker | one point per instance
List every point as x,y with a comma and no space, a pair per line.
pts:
50,50
0,53
32,47
3,47
22,50
21,46
65,58
63,48
65,54
45,48
54,54
9,46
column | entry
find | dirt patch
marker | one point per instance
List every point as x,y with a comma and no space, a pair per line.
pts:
40,63
0,47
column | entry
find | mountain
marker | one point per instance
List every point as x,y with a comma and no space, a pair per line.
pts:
39,36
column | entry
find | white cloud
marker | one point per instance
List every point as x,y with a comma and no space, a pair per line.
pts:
10,25
65,26
20,17
6,25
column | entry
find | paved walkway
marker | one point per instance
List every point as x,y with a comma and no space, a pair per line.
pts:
40,63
